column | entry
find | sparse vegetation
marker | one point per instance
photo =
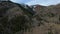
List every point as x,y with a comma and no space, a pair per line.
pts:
15,18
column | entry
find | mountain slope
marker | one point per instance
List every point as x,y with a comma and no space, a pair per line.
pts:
23,19
13,17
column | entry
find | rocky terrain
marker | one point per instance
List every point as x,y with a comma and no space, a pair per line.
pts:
23,19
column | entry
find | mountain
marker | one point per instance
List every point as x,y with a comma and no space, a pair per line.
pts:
23,19
48,18
13,16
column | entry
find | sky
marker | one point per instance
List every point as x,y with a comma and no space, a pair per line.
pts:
40,2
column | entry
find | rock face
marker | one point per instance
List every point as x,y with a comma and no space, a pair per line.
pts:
22,19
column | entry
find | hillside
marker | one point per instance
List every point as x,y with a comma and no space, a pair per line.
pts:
23,19
13,17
